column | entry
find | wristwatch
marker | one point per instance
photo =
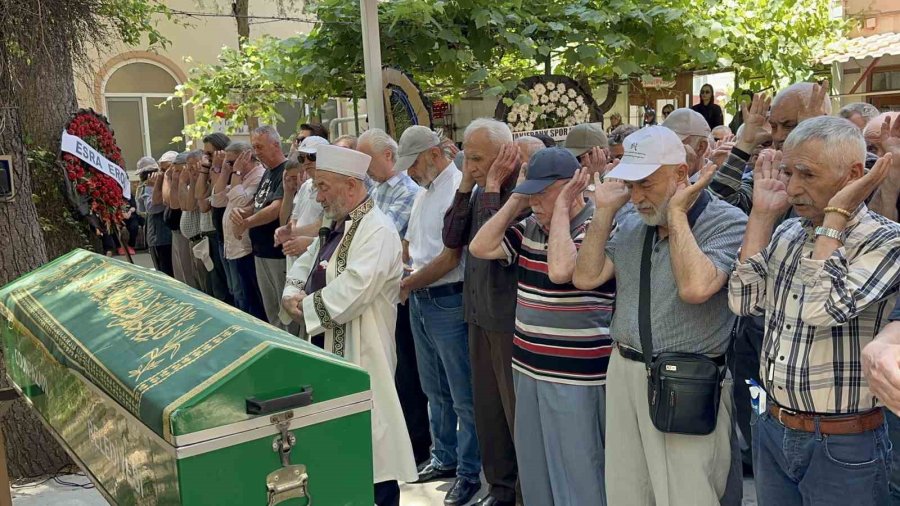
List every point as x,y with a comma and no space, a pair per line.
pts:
830,232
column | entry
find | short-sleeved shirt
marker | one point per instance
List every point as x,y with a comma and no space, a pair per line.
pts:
677,326
158,234
395,199
262,237
561,333
426,222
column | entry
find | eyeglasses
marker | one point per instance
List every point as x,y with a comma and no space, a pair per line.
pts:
303,157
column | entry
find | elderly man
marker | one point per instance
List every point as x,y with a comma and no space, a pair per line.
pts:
670,305
826,282
859,113
528,146
434,287
489,299
345,287
561,347
793,105
211,216
237,184
691,127
190,216
394,193
159,237
261,221
884,200
172,164
589,145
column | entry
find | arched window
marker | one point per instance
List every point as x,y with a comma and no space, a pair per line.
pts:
134,93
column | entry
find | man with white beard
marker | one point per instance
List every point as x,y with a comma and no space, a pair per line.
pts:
688,242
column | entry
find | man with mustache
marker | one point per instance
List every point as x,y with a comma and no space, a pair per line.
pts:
344,291
826,282
690,240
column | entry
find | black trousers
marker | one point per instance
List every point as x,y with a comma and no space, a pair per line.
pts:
216,280
162,259
747,349
387,493
409,388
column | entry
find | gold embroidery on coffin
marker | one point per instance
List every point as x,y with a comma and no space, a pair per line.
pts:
340,331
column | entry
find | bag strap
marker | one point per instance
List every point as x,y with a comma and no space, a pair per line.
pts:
644,297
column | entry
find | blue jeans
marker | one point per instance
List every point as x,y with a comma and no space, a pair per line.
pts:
248,286
893,424
442,352
802,468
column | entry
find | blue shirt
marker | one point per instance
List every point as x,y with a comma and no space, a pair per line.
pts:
395,199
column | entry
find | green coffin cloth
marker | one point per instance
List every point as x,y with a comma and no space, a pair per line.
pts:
160,348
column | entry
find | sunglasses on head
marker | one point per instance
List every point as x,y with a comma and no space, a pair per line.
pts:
302,157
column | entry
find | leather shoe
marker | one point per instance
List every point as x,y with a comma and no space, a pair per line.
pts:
461,492
429,472
490,500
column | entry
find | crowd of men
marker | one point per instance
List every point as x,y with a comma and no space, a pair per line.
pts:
618,320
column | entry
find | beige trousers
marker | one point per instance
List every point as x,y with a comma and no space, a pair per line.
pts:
646,467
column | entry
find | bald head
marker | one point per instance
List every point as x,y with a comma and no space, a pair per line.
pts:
786,108
872,132
528,146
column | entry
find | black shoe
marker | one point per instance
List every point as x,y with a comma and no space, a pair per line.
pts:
461,492
429,472
490,500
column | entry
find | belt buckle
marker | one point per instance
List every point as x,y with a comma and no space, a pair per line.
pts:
782,411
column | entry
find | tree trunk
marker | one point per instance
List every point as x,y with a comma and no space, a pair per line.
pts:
241,10
37,93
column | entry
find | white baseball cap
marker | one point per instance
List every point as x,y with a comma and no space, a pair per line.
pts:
311,144
647,150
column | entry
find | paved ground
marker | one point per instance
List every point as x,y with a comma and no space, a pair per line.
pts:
52,493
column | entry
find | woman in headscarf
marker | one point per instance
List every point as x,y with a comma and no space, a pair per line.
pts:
708,107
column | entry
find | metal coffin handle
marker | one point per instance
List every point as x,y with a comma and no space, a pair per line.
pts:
257,406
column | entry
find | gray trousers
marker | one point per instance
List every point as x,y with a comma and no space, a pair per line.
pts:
271,274
183,260
559,438
653,468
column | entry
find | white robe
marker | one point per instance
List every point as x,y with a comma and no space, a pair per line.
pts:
362,301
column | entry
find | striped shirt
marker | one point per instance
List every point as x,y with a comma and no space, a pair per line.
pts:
561,333
820,313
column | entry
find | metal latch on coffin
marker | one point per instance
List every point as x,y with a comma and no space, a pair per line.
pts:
291,481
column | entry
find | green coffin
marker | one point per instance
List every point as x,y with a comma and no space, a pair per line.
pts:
167,396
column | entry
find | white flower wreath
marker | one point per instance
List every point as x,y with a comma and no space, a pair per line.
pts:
552,104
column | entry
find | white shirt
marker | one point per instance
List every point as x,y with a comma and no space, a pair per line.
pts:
306,210
427,221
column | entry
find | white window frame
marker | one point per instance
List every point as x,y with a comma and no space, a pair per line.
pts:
145,126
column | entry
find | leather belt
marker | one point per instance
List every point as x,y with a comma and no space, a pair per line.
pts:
630,353
436,292
856,423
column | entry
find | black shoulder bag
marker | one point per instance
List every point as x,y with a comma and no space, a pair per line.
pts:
683,389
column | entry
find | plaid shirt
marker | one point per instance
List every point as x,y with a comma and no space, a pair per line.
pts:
395,199
820,313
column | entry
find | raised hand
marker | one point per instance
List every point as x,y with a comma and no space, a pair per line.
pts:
594,160
218,159
814,105
243,163
720,152
769,185
687,193
450,146
506,163
854,193
755,120
574,188
610,194
283,233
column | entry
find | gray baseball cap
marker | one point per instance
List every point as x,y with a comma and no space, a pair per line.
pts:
687,122
414,140
585,136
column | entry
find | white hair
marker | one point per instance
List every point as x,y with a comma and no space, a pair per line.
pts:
842,143
801,91
497,131
867,111
269,131
721,128
238,147
379,140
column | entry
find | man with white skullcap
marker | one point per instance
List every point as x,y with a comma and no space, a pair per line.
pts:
344,290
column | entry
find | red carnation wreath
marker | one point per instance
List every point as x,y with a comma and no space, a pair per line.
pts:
92,189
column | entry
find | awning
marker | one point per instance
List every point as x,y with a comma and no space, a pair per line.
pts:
860,48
